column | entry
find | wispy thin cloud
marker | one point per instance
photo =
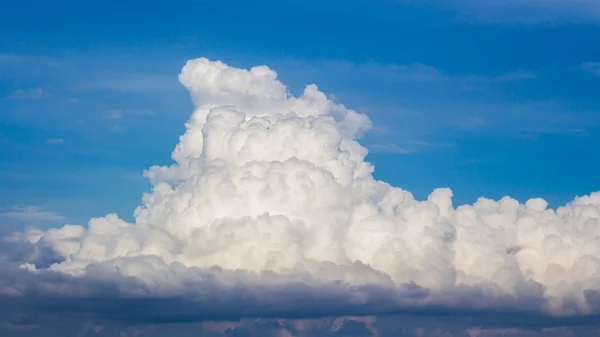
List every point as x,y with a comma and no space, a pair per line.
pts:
54,141
34,93
122,113
390,148
524,11
407,147
534,134
135,83
514,76
470,122
417,72
16,59
592,67
410,73
29,213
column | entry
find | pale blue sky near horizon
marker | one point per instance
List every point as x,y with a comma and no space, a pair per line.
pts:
489,100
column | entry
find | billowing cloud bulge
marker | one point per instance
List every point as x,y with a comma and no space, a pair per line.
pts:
274,190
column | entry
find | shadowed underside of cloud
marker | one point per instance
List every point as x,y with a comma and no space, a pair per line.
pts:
270,211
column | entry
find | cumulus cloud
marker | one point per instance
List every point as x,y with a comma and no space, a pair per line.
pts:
270,210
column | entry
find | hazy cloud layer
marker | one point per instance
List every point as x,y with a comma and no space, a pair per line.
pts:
527,11
29,213
592,67
35,93
55,141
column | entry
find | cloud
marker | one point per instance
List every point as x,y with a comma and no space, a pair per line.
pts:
414,72
471,122
526,11
133,83
391,148
270,211
10,60
35,93
380,326
55,141
120,113
418,73
28,213
592,67
407,147
550,116
433,105
534,134
515,76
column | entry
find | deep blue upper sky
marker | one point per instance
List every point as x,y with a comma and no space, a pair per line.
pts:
488,99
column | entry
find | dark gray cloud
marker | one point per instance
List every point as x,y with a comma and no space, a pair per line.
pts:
383,326
33,303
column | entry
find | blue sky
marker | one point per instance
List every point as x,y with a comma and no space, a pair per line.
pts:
488,99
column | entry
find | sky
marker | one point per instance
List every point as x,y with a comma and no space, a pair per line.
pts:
489,99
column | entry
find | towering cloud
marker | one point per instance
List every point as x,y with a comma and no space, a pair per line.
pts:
270,209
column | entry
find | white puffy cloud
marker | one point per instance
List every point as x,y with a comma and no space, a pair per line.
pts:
270,209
